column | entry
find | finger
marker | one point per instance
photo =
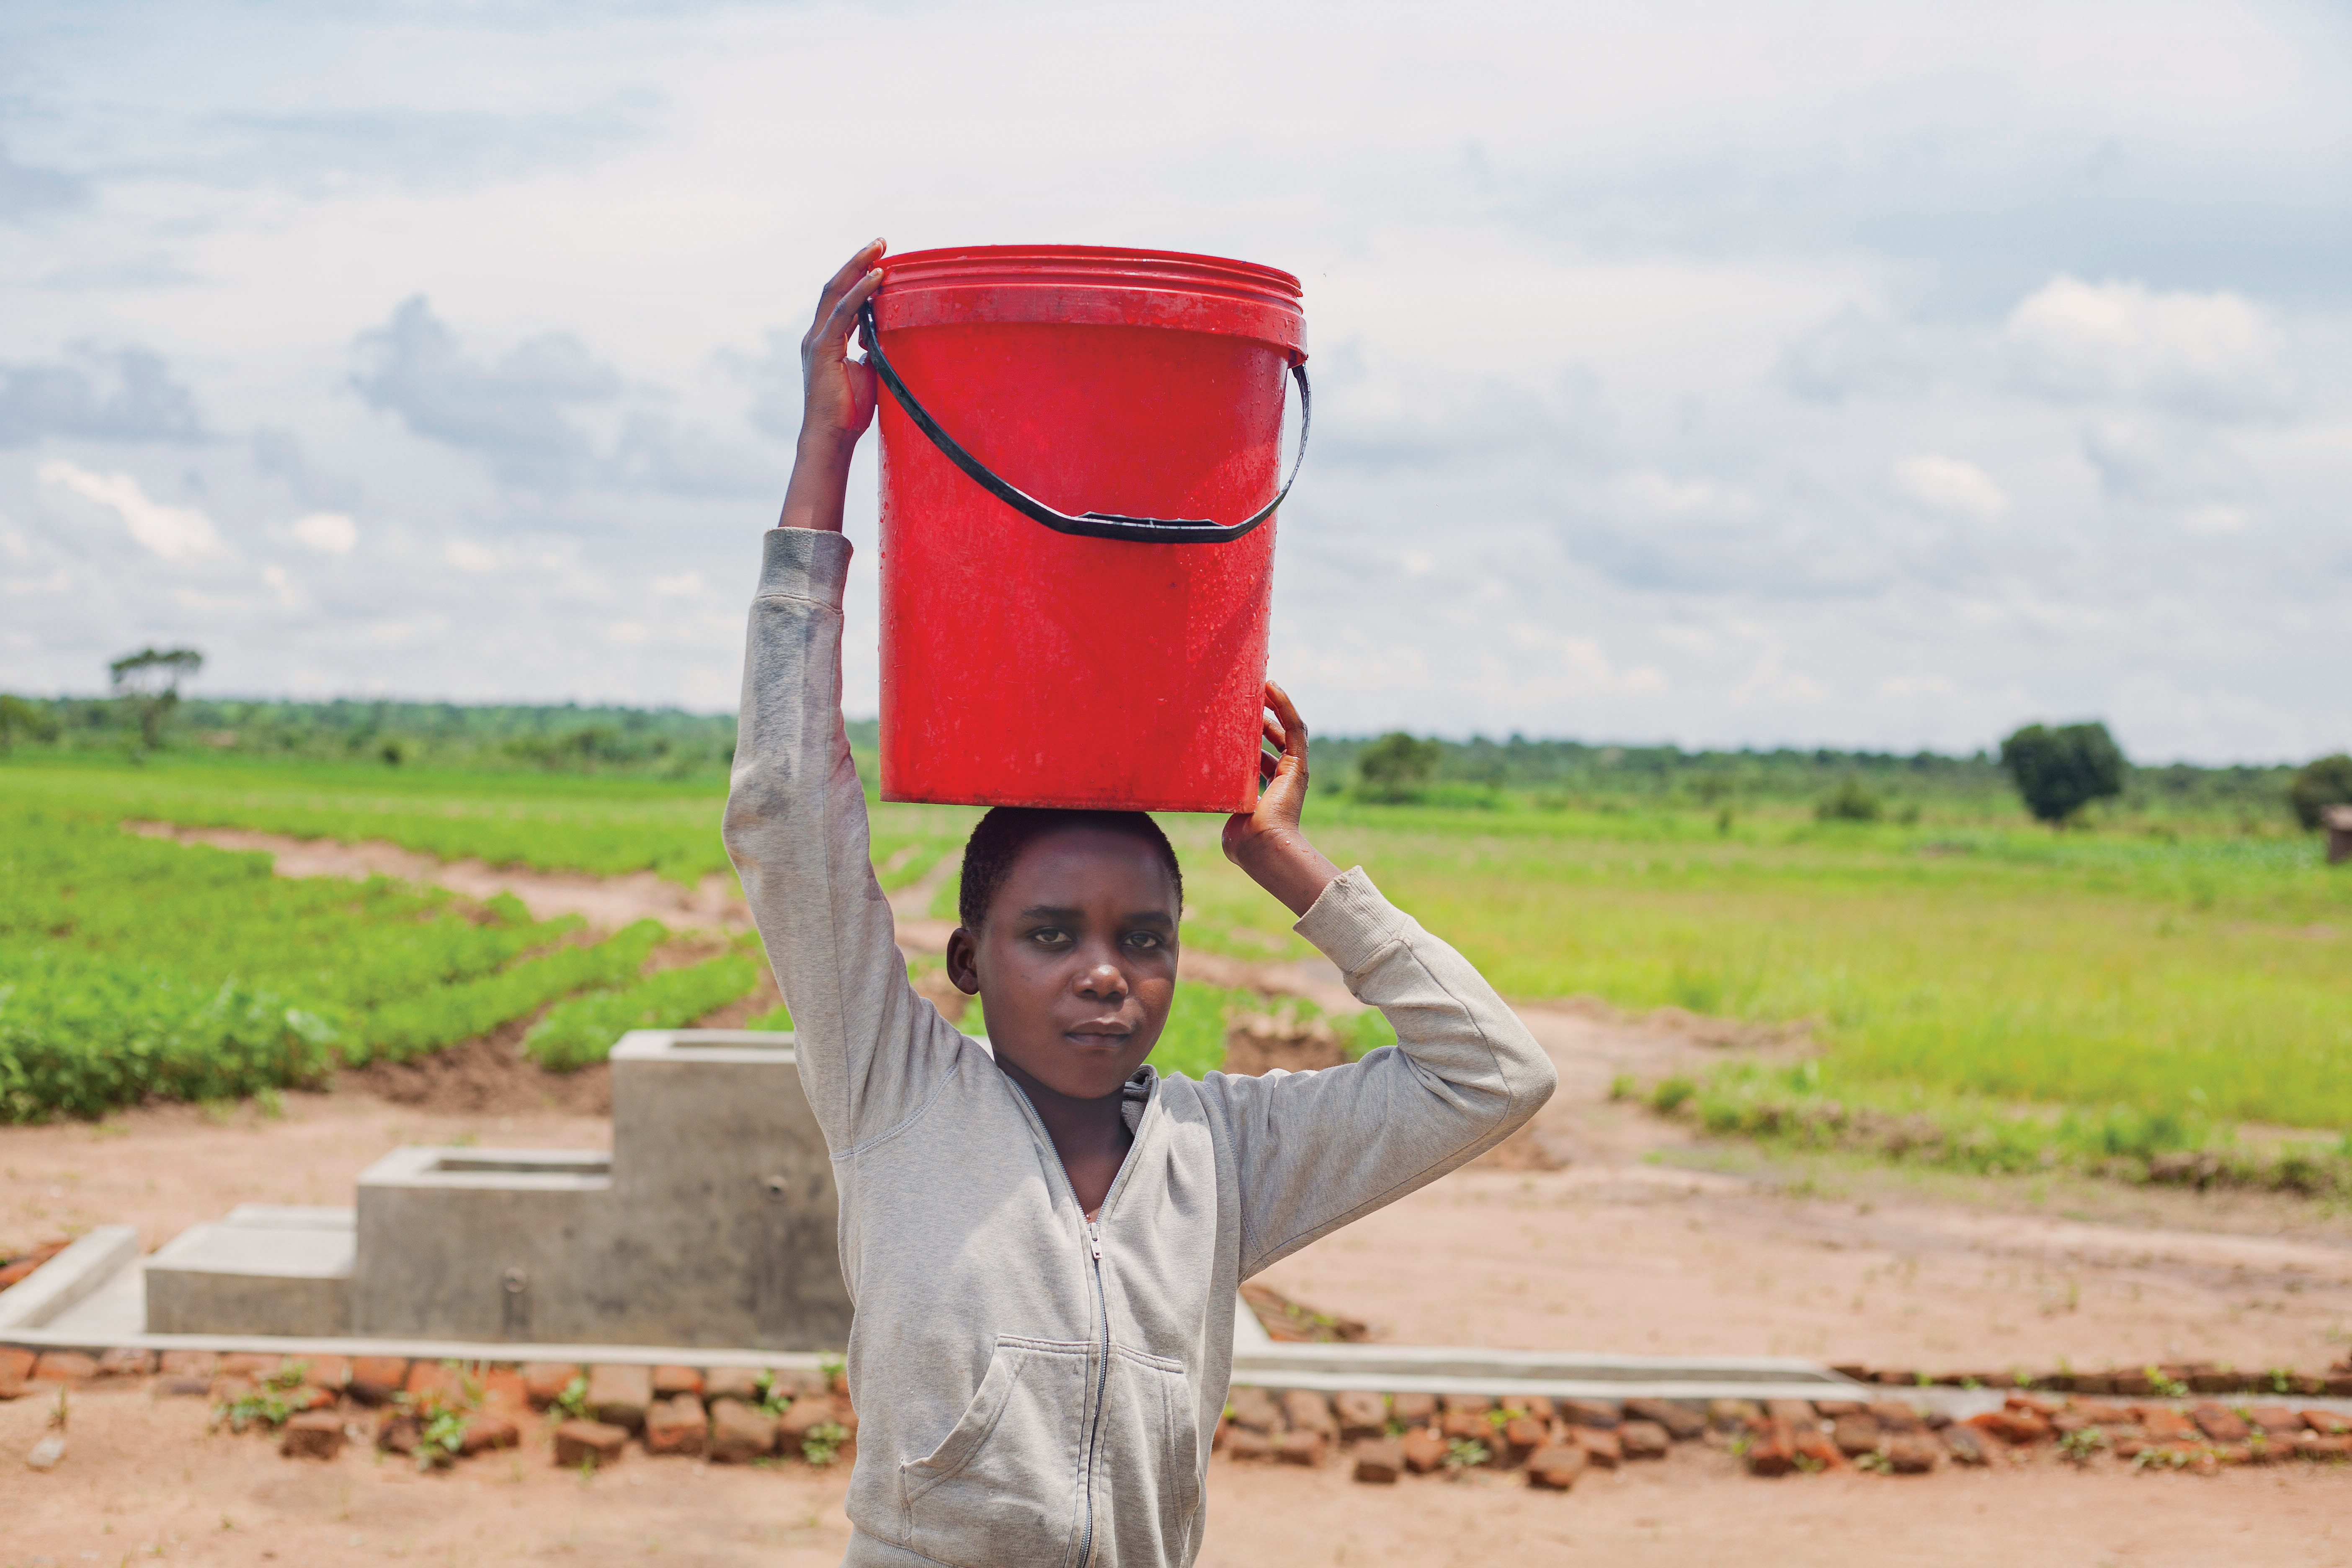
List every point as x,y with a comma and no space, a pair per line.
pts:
1267,763
1287,711
855,267
834,336
1273,733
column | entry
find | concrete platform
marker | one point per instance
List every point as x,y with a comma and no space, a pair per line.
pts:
265,1268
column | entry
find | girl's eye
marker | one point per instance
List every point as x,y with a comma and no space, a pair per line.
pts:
1143,938
1051,936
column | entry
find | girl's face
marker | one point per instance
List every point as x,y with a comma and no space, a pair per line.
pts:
1075,962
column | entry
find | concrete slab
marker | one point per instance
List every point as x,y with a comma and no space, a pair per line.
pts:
264,1270
68,1276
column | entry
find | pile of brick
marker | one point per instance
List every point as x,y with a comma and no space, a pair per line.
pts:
1384,1438
2130,1382
589,1415
1387,1437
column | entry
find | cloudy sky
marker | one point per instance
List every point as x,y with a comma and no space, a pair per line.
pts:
1876,374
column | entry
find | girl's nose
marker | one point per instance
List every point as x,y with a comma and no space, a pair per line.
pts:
1104,980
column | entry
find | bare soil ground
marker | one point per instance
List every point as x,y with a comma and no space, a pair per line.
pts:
1602,1229
143,1477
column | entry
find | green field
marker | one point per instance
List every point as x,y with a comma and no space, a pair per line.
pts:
2187,971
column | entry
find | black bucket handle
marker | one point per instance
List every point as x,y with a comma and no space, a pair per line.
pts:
1091,524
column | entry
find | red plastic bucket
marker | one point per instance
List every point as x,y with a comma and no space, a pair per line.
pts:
1034,653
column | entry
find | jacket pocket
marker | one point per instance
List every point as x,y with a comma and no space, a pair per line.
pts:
1148,1465
1003,1487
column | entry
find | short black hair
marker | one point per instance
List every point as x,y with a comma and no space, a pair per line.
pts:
998,838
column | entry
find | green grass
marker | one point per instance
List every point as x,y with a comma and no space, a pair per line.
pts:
2133,969
585,1028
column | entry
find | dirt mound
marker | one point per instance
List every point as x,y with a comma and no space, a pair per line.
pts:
490,1075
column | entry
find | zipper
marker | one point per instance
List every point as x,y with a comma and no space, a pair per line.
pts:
1102,1385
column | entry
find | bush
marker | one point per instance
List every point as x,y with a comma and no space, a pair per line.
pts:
585,1028
2060,771
2320,784
1396,767
1850,802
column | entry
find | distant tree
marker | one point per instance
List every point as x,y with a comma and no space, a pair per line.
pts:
2320,784
1396,766
18,717
149,681
1850,802
2060,770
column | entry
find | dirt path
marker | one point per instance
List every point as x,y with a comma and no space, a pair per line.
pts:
143,1479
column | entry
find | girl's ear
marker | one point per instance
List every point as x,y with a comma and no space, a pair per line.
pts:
963,967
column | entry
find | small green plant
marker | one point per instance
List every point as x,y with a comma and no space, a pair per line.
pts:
1671,1094
1465,1454
1876,1463
2080,1447
1624,1086
572,1405
772,1400
2281,1380
2165,1387
824,1441
268,1405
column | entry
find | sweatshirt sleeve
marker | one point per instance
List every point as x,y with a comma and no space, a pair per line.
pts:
871,1050
1316,1150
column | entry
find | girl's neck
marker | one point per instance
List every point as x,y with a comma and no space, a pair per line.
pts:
1091,1136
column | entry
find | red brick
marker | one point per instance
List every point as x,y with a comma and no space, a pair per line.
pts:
15,1366
1253,1408
2277,1420
672,1381
1831,1409
543,1381
1815,1447
1522,1435
1855,1435
740,1432
618,1393
2012,1426
1425,1450
1966,1444
1555,1467
64,1366
2327,1423
487,1429
327,1372
1534,1405
1602,1449
313,1435
732,1383
1771,1447
376,1378
183,1364
395,1432
2323,1447
183,1387
255,1364
2219,1422
795,1381
1361,1415
1414,1409
1684,1422
2162,1424
1593,1413
1379,1461
1912,1453
430,1379
1301,1447
125,1362
1799,1414
1644,1440
1305,1410
1247,1443
1466,1426
588,1443
1465,1403
808,1412
678,1424
503,1388
1733,1414
1892,1416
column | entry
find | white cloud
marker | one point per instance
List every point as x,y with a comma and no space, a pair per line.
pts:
328,533
680,585
467,556
175,533
1952,485
2216,520
2215,353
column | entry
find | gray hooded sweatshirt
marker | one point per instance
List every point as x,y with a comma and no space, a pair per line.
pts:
1033,1389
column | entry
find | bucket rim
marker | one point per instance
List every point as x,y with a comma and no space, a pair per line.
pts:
943,264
